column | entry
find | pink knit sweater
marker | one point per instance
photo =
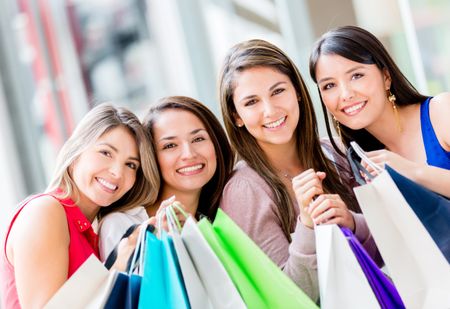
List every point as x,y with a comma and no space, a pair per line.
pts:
250,202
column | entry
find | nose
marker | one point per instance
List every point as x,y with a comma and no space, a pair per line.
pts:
269,108
347,92
116,169
187,151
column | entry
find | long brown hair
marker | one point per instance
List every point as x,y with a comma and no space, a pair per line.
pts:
259,53
361,46
212,191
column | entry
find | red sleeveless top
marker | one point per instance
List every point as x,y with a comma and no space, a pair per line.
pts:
83,243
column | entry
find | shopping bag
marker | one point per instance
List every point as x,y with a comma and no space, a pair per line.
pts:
198,297
342,282
418,268
126,289
88,287
259,281
384,290
432,209
219,288
162,284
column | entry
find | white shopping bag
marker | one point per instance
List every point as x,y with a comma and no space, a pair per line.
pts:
419,270
88,287
218,285
342,282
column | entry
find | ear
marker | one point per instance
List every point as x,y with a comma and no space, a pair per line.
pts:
238,120
387,79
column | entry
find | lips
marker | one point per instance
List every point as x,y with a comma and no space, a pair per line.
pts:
192,169
354,108
275,124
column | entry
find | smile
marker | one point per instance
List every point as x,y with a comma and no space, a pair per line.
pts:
107,184
354,109
275,124
190,169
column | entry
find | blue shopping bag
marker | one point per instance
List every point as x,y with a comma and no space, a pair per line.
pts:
162,283
432,209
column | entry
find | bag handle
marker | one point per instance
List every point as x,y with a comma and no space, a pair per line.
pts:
354,155
172,219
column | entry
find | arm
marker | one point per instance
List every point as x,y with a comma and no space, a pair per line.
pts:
253,209
111,230
38,250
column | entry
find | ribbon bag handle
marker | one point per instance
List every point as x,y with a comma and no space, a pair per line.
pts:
355,155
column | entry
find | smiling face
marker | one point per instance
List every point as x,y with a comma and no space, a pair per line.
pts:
106,170
355,93
185,152
267,105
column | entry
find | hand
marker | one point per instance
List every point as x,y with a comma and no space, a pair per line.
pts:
306,186
125,249
397,162
161,214
331,209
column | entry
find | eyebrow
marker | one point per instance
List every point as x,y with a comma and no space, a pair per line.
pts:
346,72
270,89
116,150
193,132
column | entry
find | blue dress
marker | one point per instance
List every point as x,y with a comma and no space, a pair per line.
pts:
436,155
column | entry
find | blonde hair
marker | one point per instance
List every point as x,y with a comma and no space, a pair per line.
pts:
95,123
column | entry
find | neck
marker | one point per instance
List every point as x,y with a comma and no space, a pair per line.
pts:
394,136
284,159
89,209
189,200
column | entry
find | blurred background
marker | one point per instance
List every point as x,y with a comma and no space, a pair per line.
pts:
58,58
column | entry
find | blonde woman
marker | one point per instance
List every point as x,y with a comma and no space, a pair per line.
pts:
102,167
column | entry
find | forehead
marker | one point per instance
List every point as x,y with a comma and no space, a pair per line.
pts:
120,137
257,77
176,122
333,64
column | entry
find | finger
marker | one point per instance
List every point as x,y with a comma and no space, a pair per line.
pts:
321,175
326,216
313,182
304,177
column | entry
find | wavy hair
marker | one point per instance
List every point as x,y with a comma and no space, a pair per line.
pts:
95,123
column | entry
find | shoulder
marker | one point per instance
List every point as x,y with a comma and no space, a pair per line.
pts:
439,115
42,209
440,103
128,217
244,175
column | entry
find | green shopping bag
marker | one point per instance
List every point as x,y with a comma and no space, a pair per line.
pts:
259,281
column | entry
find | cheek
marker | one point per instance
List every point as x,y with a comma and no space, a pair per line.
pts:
165,162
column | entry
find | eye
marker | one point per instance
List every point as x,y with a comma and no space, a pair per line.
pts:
132,165
328,86
250,102
357,76
106,153
278,91
169,146
198,139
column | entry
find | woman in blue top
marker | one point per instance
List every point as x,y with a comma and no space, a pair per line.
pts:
373,103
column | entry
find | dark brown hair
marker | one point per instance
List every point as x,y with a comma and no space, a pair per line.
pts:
361,46
212,191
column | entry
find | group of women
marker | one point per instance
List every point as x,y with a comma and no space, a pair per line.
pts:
285,180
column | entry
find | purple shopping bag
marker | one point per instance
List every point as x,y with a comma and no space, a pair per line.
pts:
382,287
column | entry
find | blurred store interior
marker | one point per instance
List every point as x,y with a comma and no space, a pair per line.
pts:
59,58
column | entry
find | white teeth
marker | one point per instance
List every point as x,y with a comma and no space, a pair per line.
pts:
190,168
107,184
275,123
354,108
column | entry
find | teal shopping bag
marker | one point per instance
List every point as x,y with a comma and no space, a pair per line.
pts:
259,281
162,284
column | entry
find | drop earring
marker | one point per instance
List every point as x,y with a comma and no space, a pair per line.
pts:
392,98
337,126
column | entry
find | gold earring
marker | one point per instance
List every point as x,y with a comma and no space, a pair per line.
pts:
392,98
337,127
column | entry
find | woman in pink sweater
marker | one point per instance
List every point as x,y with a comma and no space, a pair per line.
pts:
287,179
